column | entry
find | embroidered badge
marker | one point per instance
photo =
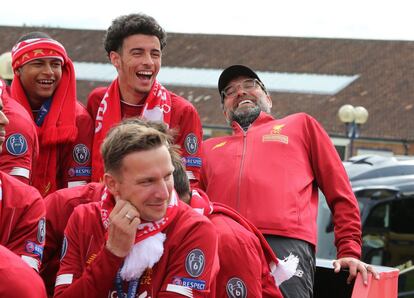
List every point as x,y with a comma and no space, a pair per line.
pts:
16,144
191,143
91,259
219,145
193,283
81,154
80,171
46,188
64,247
236,288
193,162
146,277
195,262
41,230
275,135
33,248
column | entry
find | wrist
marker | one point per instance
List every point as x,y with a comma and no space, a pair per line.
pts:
115,251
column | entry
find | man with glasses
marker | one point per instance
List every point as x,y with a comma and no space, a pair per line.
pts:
270,170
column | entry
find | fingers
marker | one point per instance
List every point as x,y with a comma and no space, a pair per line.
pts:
360,267
123,222
123,212
337,266
372,270
354,266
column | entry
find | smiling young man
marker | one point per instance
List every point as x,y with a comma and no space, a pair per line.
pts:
139,240
44,84
273,169
134,45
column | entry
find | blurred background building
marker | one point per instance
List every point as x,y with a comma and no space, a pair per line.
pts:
313,75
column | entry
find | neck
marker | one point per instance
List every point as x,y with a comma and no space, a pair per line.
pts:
131,96
246,119
35,104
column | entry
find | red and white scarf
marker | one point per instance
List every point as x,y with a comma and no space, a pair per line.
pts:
148,247
281,270
157,108
59,126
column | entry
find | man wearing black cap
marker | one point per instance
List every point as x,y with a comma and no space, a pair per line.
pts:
270,171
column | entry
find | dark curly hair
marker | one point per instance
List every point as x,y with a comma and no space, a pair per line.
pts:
131,24
34,34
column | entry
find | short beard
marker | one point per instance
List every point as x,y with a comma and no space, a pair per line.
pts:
245,117
248,116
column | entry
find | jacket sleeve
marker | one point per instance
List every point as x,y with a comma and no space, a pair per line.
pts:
93,101
240,262
77,279
20,148
201,241
189,138
56,219
28,236
76,159
333,181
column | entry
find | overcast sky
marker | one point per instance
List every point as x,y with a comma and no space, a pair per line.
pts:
363,19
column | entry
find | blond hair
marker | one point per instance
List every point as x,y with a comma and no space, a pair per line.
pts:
132,135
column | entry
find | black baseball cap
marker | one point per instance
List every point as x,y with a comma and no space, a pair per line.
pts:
234,71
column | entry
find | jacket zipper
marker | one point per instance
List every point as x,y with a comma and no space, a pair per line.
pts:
241,170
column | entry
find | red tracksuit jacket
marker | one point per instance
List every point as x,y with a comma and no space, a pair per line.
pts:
17,279
184,119
59,207
271,173
22,216
88,269
21,146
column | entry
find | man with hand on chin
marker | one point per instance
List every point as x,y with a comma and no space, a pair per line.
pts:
139,240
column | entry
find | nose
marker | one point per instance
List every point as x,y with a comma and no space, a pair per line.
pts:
148,59
47,68
240,90
163,190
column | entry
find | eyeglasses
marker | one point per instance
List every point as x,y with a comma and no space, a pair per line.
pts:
246,85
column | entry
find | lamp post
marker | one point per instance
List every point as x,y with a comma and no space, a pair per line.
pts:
353,117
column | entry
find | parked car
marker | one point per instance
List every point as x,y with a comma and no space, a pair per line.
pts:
384,188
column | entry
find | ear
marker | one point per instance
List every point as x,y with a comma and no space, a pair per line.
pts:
225,113
269,99
115,59
17,72
112,183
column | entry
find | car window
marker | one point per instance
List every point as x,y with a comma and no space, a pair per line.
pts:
379,217
402,216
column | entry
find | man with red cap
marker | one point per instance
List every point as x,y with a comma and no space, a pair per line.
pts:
134,45
44,84
22,214
270,170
